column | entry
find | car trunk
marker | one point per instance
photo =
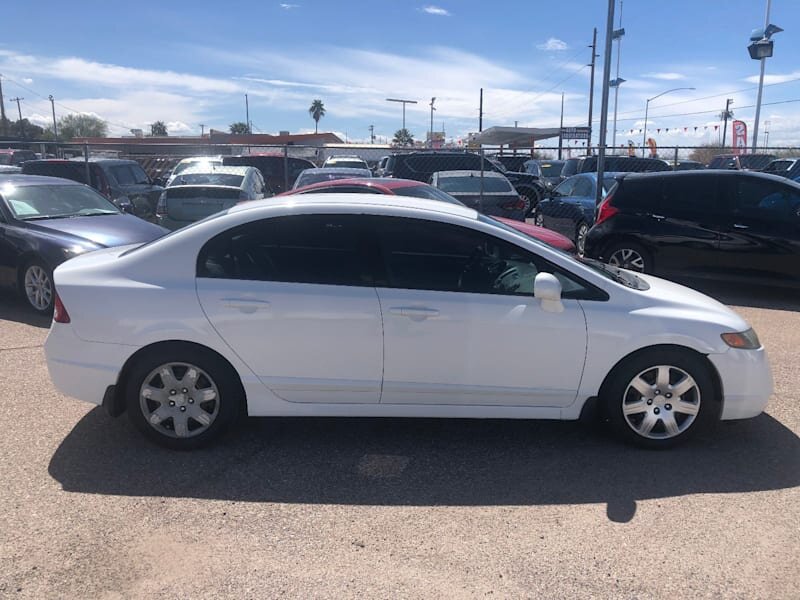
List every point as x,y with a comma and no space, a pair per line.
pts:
195,202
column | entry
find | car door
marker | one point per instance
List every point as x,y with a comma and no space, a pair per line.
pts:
552,207
461,325
760,239
572,211
293,296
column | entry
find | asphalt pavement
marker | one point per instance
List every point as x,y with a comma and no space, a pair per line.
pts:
396,508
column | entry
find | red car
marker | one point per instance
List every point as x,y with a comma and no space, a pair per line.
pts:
416,189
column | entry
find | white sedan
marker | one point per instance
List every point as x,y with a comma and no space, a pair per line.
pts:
378,306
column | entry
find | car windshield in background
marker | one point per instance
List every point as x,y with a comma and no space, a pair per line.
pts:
347,164
31,202
308,177
755,161
227,179
551,170
129,174
426,191
200,163
470,184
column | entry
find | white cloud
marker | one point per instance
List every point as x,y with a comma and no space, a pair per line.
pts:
665,76
775,78
436,10
27,80
553,44
289,6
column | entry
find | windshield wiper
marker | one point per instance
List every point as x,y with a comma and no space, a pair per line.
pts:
41,217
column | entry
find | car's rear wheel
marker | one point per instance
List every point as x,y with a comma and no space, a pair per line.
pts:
580,237
36,286
531,197
182,399
660,398
631,256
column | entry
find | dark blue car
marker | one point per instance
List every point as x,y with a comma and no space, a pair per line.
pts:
570,207
45,221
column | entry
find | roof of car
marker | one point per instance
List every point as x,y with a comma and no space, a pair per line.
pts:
359,200
470,173
388,183
351,170
191,159
706,173
105,160
26,180
208,169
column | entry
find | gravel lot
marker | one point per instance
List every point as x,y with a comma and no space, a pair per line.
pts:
326,508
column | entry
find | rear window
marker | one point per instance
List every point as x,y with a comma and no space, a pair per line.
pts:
624,164
551,169
426,191
227,179
431,163
471,184
56,169
129,174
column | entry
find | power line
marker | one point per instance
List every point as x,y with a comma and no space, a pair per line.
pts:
704,112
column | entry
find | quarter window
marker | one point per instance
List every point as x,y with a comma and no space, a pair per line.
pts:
687,196
760,198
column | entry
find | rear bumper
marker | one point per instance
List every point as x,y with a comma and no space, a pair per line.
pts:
80,369
746,382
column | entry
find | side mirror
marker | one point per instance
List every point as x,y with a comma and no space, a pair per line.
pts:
547,289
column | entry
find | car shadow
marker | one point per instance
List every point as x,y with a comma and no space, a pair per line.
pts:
426,462
13,309
754,296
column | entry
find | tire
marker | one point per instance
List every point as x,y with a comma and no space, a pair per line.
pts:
629,255
36,286
580,237
177,419
532,198
643,414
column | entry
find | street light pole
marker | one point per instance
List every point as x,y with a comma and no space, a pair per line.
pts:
760,82
618,33
601,141
403,102
53,108
432,109
647,107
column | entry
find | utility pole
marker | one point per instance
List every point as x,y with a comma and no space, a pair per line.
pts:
561,126
247,112
2,108
591,85
19,110
725,116
480,113
371,134
53,108
618,33
430,145
601,142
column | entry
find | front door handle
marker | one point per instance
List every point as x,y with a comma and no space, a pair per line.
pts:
246,305
740,226
658,217
415,313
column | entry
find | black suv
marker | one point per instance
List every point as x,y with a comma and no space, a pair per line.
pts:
613,164
421,165
733,225
124,182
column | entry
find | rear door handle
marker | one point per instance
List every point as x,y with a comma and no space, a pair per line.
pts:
740,226
246,305
415,313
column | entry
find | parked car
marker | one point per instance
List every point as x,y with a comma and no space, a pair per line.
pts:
613,164
8,169
45,221
279,172
194,161
513,162
416,189
13,157
548,171
379,169
492,194
731,225
346,162
687,165
124,182
310,176
785,167
280,308
570,207
741,162
203,190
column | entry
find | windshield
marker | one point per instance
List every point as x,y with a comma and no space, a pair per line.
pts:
31,202
226,179
551,169
129,174
348,164
309,177
426,191
195,163
471,184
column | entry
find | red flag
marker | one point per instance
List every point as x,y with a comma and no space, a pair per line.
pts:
739,137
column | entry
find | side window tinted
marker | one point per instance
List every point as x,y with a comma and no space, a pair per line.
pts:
426,255
323,249
760,198
687,196
583,187
565,187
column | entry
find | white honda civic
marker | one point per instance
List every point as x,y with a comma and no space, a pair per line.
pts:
380,306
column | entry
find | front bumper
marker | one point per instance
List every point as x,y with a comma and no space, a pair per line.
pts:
746,382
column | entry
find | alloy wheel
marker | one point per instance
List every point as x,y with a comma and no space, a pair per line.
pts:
179,400
627,258
38,287
661,402
580,238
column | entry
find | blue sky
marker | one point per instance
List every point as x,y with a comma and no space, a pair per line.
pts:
188,63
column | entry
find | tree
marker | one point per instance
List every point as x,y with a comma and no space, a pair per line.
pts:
403,137
81,125
317,111
706,152
158,129
239,128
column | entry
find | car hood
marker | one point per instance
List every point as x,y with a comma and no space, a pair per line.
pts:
102,230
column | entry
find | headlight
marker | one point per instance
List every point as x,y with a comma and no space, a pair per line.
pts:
745,340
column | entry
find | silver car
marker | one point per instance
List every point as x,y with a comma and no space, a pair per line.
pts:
201,191
494,196
310,176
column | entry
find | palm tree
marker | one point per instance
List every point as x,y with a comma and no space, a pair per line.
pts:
158,129
317,111
403,137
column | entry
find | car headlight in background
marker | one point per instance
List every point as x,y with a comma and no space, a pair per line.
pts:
744,340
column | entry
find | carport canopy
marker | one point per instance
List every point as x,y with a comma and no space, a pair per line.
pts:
523,137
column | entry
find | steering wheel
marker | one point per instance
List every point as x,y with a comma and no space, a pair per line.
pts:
508,281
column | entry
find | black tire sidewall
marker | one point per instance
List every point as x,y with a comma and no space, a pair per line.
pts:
23,294
612,394
230,391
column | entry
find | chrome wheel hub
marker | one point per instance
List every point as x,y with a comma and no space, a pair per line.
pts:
661,402
580,239
179,400
38,288
626,258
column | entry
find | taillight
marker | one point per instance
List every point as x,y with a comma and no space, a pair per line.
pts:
518,204
605,210
60,314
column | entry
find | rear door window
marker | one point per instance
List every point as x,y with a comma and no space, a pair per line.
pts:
688,197
583,187
638,195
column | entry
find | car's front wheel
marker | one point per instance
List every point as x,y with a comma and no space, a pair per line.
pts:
182,398
659,398
36,286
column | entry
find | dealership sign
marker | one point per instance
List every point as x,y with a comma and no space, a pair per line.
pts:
575,133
